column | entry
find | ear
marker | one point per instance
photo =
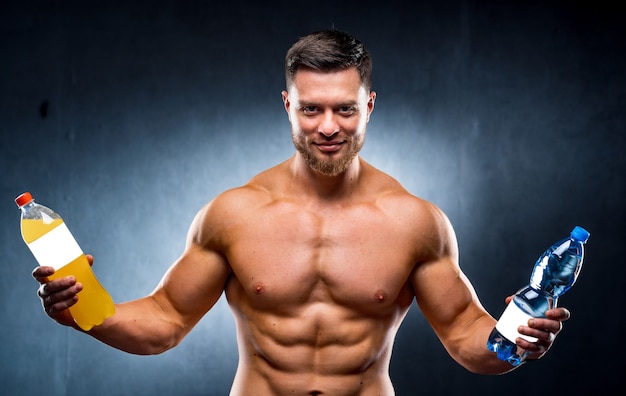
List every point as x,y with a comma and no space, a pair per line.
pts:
286,103
370,104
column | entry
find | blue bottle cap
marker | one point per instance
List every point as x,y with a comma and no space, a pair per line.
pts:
580,234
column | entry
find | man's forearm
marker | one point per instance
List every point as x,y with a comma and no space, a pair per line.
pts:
139,327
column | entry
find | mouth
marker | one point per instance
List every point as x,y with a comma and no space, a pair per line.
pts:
329,147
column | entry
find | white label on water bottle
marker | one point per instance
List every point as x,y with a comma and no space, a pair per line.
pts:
56,248
512,317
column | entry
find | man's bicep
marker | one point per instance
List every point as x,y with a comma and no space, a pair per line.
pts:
443,292
446,298
193,284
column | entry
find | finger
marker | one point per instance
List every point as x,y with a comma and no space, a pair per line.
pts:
60,300
55,309
535,349
560,314
42,273
60,284
542,335
89,258
545,325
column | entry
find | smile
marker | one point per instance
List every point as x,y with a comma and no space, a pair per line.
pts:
329,147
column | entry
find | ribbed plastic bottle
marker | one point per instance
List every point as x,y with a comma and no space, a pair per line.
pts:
554,273
52,244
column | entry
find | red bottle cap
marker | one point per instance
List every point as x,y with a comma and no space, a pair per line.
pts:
23,199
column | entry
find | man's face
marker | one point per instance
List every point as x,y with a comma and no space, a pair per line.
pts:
329,112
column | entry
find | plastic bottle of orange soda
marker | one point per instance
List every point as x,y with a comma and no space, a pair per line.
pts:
52,244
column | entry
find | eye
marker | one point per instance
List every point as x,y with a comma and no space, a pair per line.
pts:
346,110
309,110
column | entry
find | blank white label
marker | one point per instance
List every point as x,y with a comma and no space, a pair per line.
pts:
56,248
511,319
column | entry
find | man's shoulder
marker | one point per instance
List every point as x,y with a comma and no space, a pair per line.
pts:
239,199
394,197
255,193
215,220
411,207
388,189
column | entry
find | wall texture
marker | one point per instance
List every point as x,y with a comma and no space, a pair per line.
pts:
126,117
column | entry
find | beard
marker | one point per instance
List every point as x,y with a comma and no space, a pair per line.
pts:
327,165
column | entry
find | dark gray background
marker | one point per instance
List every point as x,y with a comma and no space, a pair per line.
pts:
126,117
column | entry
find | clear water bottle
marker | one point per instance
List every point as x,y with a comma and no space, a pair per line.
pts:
554,273
52,244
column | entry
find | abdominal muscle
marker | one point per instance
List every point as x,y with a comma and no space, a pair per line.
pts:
318,293
320,348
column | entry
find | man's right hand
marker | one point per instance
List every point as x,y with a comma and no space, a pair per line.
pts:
59,294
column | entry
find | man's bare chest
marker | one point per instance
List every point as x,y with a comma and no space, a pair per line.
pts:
357,258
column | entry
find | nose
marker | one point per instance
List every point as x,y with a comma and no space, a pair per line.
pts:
328,125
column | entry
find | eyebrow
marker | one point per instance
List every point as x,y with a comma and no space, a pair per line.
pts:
340,104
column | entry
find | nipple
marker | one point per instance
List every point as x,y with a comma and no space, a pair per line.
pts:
380,296
259,288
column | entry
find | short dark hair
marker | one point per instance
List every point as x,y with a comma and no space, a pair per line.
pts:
329,50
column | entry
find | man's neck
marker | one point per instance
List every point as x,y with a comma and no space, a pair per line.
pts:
310,182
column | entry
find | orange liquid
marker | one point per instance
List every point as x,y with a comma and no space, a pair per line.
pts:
94,302
34,228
